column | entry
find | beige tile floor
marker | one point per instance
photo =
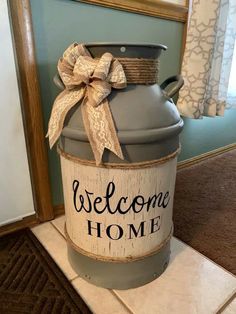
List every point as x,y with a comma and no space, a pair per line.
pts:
192,284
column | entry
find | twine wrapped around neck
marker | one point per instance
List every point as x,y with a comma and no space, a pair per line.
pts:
140,71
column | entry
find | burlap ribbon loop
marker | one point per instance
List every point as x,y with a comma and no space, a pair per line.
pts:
91,81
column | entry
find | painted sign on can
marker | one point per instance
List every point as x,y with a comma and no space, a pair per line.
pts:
118,213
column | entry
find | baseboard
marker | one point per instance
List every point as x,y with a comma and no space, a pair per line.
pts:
213,153
26,222
60,210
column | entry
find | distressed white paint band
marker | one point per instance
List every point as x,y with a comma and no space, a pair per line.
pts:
118,213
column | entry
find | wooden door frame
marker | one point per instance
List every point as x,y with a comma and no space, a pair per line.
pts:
23,42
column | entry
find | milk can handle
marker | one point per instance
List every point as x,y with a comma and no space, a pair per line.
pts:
176,87
58,82
179,82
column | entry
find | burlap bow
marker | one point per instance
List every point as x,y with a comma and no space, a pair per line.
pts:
91,80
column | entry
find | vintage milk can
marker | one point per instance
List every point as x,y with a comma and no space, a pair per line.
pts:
119,211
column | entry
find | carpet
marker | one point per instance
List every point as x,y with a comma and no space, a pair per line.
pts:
205,208
31,282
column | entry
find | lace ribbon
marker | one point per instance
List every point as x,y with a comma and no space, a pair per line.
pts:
89,80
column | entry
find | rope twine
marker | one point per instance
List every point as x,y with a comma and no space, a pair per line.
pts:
135,165
140,71
117,259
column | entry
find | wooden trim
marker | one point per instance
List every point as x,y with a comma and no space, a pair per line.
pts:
184,38
185,30
26,222
213,153
158,8
59,210
184,41
20,14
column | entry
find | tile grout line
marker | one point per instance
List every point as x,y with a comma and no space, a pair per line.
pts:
76,277
116,295
65,240
227,303
58,230
210,260
230,298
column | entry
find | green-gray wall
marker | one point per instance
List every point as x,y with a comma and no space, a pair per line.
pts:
58,23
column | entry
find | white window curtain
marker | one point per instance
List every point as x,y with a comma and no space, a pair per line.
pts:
209,65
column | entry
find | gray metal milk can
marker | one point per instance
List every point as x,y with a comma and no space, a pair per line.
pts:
119,212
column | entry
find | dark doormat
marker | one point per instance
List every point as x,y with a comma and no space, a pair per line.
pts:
31,282
205,208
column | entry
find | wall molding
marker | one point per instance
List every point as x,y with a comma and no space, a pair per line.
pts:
177,11
60,209
213,153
